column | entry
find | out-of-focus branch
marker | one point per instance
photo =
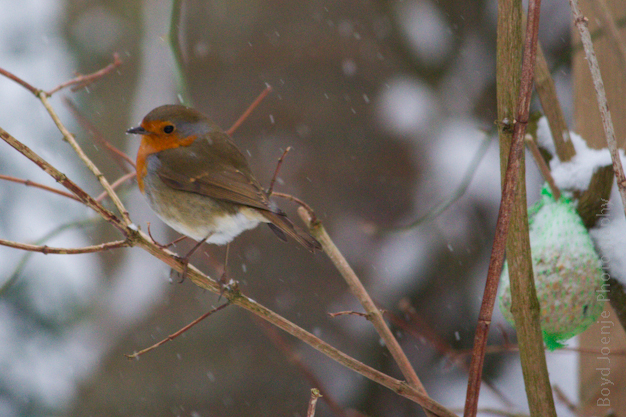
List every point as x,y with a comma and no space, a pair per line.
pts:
609,131
63,180
546,91
82,81
543,167
46,250
92,167
30,183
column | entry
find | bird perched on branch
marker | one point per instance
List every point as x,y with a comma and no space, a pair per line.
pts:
199,183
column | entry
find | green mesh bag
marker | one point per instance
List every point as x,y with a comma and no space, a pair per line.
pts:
567,271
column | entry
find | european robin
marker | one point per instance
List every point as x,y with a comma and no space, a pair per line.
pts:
199,183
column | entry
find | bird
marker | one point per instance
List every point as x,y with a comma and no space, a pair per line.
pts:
200,184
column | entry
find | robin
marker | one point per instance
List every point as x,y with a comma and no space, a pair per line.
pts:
200,184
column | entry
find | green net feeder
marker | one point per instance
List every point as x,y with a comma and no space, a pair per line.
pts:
567,271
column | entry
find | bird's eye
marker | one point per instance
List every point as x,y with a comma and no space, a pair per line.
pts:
168,129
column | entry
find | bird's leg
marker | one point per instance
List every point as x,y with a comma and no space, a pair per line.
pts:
185,259
223,279
161,245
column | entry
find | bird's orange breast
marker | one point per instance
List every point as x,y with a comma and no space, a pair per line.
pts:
151,144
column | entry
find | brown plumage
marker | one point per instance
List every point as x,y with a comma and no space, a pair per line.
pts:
198,182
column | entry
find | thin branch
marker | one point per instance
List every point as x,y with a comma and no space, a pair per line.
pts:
416,326
92,167
46,250
296,200
280,343
173,336
315,395
560,395
443,206
116,184
581,24
81,81
543,167
118,155
55,232
349,313
359,291
546,91
143,241
18,80
250,109
30,183
277,170
602,10
161,245
63,180
174,41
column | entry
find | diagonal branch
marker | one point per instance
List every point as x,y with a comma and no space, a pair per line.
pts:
65,251
92,167
34,184
63,180
356,287
400,387
82,81
607,123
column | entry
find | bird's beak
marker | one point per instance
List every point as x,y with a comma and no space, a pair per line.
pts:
137,131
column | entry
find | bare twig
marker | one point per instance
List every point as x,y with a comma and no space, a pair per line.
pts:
161,245
65,251
560,395
279,341
443,206
546,91
543,167
250,109
178,333
581,24
349,313
419,328
118,156
18,80
277,170
63,180
400,387
315,394
30,183
92,167
174,41
608,22
357,288
55,232
296,200
81,81
116,184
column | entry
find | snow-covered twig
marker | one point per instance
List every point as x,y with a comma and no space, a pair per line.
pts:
581,24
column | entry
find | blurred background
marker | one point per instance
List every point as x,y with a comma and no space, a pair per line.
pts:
385,104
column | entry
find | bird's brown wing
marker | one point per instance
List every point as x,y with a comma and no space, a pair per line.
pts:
217,169
214,168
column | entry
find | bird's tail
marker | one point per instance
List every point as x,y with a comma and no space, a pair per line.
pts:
281,225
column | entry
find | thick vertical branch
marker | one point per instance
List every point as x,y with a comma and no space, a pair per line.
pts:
513,209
